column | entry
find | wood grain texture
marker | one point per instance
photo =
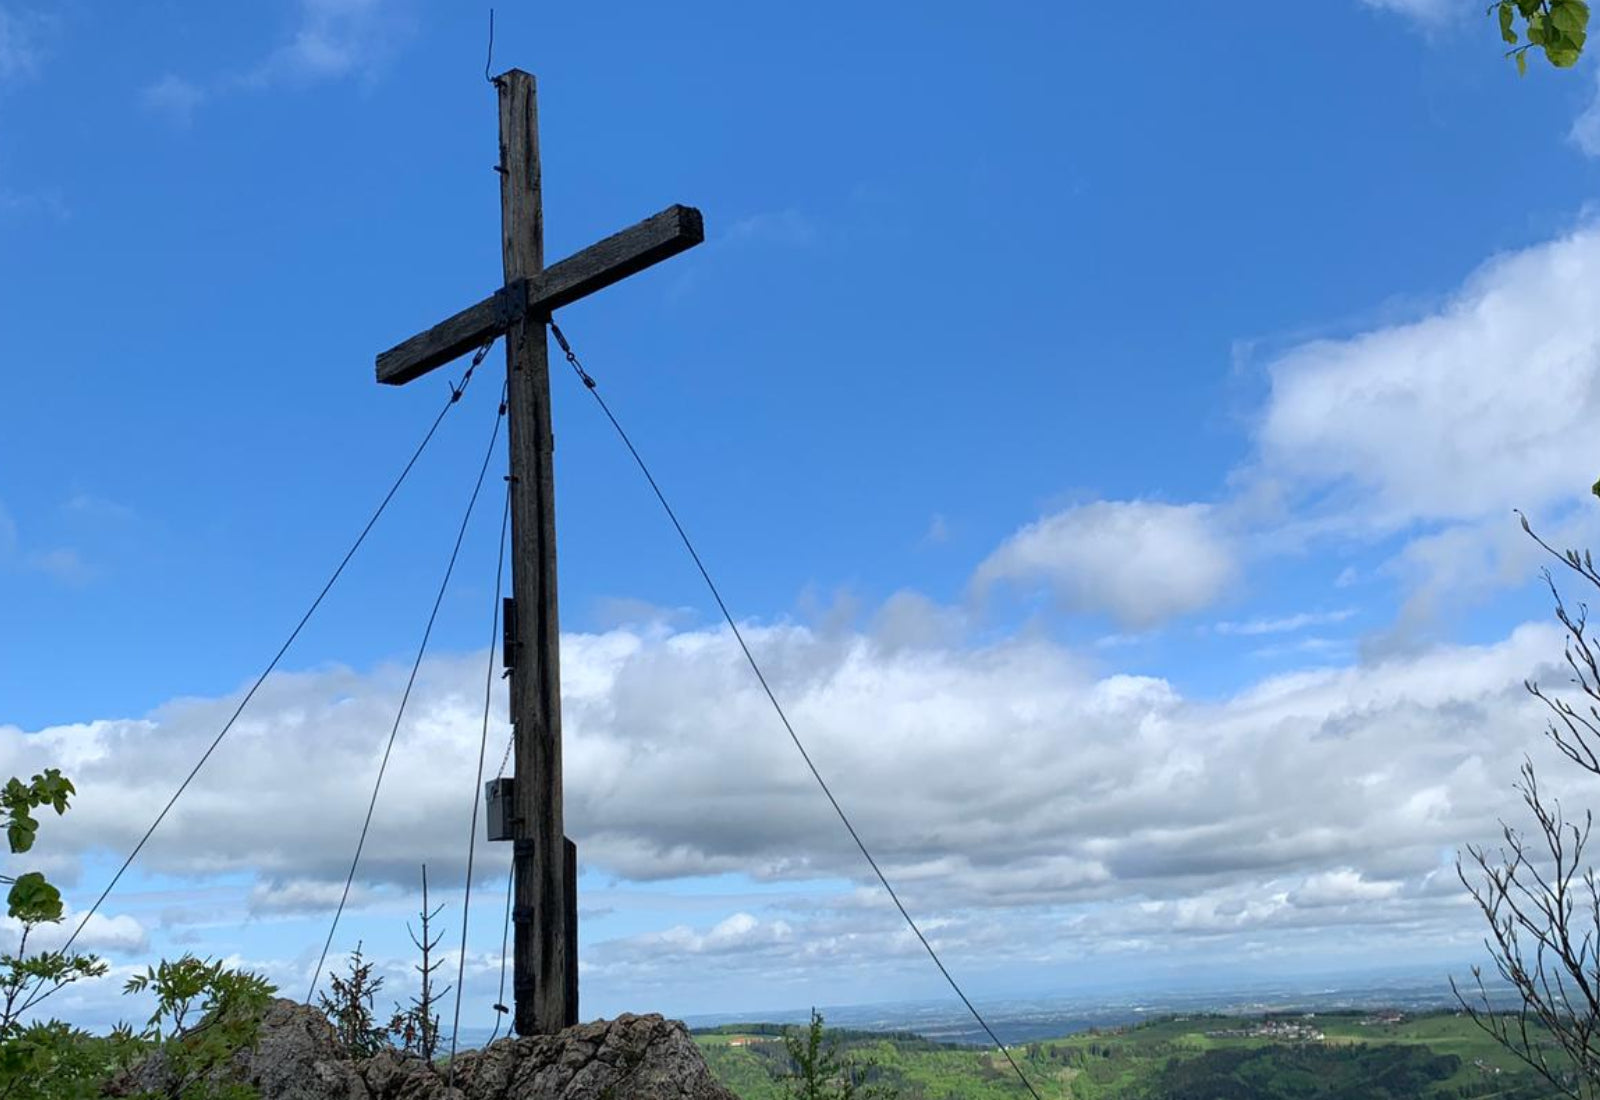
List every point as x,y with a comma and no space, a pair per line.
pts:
450,339
540,867
658,237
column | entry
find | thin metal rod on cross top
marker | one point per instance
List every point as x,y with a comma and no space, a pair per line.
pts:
544,862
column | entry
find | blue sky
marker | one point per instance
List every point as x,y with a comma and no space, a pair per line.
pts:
1109,435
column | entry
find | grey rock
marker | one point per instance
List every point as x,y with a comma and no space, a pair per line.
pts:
299,1057
629,1058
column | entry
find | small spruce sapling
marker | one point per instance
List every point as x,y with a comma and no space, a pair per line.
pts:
417,1026
821,1074
350,1008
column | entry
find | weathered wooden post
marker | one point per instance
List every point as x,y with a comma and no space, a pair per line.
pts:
544,910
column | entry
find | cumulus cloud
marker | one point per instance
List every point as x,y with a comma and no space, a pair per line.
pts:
1463,415
1140,562
1424,436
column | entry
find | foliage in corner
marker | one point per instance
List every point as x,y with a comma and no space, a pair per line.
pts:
229,1004
1558,27
820,1074
31,898
52,1060
47,1059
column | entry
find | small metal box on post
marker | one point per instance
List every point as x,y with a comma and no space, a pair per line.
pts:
497,798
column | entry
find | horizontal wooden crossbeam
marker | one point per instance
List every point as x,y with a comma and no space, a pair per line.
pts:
674,230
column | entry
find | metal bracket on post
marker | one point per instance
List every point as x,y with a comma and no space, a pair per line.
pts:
570,916
508,633
511,302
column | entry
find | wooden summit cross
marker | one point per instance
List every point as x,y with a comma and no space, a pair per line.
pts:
544,863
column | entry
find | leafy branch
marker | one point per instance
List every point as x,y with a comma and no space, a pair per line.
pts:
1558,27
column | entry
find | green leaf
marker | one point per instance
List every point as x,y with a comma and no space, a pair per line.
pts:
33,899
1522,63
20,830
1595,489
1563,56
53,789
1571,18
1507,32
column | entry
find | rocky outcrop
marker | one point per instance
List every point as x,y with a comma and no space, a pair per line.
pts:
299,1057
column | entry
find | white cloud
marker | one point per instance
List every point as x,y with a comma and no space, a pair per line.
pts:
1026,807
1138,561
119,933
300,896
98,508
1341,887
334,39
1427,434
329,40
20,50
911,619
61,563
1464,415
1585,132
1285,625
738,932
174,98
1007,776
784,227
25,204
1427,12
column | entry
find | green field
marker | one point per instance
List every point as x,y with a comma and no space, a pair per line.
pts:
1332,1056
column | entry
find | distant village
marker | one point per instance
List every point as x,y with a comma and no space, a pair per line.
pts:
1302,1030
